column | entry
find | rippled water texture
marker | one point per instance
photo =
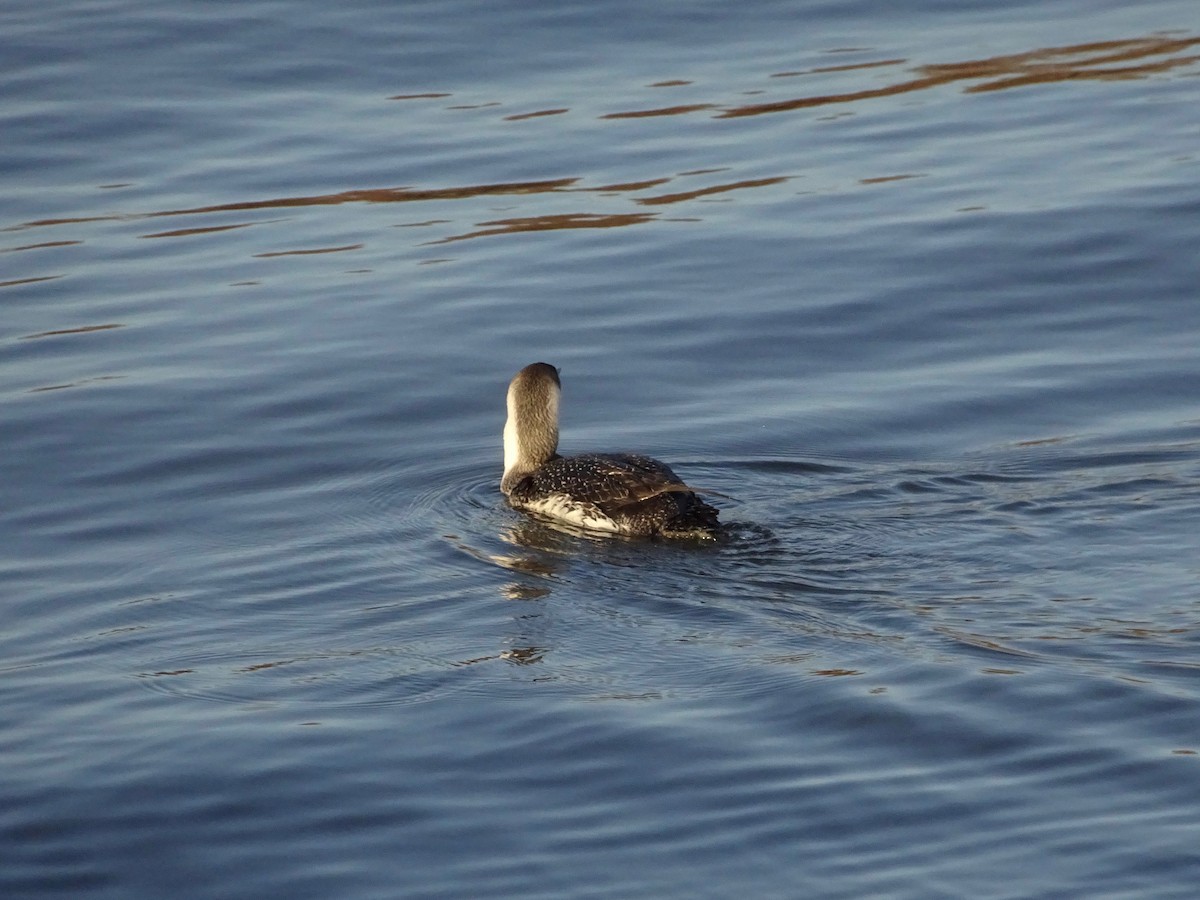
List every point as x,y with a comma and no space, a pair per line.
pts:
909,289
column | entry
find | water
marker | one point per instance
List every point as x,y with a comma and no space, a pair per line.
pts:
915,286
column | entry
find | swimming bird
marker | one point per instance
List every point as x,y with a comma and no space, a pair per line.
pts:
622,493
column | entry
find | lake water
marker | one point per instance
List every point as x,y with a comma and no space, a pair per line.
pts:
912,286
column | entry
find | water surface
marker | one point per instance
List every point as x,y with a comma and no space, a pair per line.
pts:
914,286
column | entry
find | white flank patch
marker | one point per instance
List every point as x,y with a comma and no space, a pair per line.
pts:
564,508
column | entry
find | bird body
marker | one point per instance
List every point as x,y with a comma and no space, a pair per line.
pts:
622,493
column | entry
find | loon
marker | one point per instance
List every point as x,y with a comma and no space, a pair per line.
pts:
621,493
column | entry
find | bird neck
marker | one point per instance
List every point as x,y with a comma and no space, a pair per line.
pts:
530,436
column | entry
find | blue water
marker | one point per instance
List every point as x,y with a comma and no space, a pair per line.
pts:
912,287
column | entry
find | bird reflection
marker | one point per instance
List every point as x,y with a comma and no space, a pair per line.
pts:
517,590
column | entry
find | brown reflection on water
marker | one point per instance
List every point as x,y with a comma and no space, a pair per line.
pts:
715,189
550,222
519,117
81,330
664,111
188,232
1138,58
41,246
557,222
1119,59
311,252
1042,66
1102,60
848,67
19,281
73,384
883,179
628,186
38,223
382,195
369,195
